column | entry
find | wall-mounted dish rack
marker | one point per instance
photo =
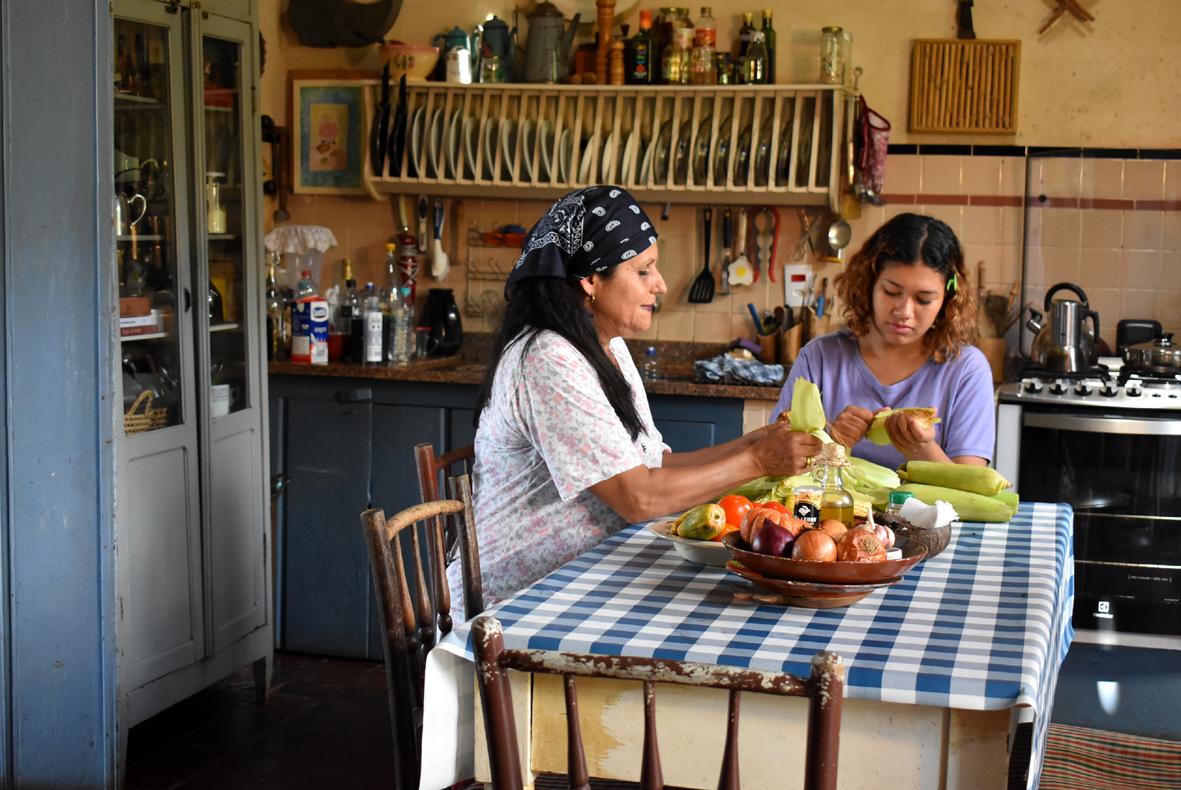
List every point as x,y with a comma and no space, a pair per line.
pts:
774,144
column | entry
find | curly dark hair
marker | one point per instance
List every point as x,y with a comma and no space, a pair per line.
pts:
906,239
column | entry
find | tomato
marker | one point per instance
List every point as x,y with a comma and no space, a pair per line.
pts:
773,505
725,530
736,507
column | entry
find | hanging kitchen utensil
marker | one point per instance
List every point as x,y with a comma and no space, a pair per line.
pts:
874,136
727,243
741,272
838,236
379,135
850,203
424,210
440,264
702,290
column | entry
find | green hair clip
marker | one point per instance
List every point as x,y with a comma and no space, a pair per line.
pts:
953,284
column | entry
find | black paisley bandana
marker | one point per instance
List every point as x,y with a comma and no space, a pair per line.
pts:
587,231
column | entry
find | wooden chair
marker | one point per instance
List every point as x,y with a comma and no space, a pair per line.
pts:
414,611
431,468
825,689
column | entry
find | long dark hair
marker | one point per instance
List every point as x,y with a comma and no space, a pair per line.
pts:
555,304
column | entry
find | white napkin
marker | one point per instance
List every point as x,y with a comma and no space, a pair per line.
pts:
924,516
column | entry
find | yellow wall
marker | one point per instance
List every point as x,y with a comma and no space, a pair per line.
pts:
1110,83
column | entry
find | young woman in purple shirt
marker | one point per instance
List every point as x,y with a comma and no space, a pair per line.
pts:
909,318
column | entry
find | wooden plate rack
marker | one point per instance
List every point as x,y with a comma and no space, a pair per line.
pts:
793,156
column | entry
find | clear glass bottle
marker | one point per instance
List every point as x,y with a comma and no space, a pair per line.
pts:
398,326
835,500
703,70
371,305
894,504
278,332
674,61
832,70
754,65
306,286
651,366
215,213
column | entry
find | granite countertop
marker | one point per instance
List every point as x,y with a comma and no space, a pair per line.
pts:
675,366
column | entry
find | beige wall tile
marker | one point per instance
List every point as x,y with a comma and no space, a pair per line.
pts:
1105,302
903,174
941,175
1172,230
677,265
1141,269
1144,179
1100,268
1060,177
1168,308
1143,230
1103,178
1137,304
982,224
1008,269
889,211
1173,180
1061,264
674,324
1102,228
1034,271
1012,222
1060,227
1170,278
986,255
981,175
1012,175
713,328
952,215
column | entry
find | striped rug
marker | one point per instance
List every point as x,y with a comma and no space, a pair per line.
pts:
1079,758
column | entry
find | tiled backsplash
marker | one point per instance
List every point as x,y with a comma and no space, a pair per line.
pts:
1112,226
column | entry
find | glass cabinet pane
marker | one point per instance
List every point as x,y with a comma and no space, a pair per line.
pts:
145,226
224,222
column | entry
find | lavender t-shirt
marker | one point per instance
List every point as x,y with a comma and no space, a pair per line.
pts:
961,390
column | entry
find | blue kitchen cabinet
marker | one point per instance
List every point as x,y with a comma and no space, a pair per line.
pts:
348,444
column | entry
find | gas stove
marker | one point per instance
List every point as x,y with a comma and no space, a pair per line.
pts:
1109,385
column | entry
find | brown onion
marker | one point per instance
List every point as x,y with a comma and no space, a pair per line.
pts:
860,545
833,528
812,544
756,517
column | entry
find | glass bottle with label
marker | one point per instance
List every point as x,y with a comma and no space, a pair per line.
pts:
754,65
835,500
215,213
769,45
639,52
705,35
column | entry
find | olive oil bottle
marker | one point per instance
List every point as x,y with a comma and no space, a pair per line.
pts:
835,500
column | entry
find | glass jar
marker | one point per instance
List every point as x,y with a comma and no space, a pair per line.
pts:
835,500
832,68
894,504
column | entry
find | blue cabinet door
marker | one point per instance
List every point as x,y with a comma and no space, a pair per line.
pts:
693,423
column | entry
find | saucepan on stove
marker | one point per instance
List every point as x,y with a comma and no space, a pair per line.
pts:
1160,356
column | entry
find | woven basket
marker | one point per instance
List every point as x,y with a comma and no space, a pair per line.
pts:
142,417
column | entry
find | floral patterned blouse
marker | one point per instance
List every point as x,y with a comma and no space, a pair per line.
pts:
547,434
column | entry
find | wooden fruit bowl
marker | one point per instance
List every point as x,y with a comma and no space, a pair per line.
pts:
825,572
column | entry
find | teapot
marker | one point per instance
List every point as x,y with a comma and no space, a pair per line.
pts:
547,53
123,221
500,41
458,49
1064,345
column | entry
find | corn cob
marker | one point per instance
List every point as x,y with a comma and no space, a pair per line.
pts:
965,477
807,410
971,507
1010,498
703,522
877,430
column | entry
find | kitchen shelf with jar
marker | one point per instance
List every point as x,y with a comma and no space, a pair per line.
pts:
749,144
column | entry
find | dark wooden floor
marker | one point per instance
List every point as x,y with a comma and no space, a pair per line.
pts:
326,726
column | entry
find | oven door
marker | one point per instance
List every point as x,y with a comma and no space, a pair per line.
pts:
1120,473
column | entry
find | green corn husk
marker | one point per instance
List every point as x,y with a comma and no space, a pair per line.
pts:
877,431
965,477
807,410
971,507
754,489
1010,498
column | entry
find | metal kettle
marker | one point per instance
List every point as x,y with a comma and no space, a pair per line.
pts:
497,39
547,52
1064,345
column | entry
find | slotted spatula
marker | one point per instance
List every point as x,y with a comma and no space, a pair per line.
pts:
702,289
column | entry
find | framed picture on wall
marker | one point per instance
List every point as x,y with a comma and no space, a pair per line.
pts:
328,122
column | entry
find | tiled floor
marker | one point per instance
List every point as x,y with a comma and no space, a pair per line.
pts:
326,726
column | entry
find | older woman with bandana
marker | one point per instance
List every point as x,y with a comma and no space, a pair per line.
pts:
566,450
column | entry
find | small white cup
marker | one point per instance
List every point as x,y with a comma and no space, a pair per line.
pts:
219,400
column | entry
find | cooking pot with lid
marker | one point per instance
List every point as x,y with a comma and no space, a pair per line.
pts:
1160,356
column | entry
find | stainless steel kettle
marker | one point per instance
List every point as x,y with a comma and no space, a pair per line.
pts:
1064,345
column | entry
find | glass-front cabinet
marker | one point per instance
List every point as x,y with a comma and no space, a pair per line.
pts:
191,504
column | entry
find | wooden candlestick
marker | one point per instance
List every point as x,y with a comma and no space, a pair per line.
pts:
606,20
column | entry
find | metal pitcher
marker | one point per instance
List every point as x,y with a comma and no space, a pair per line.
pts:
459,54
123,221
547,53
497,39
1064,345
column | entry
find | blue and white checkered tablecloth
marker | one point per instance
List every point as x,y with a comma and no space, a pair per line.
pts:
983,626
